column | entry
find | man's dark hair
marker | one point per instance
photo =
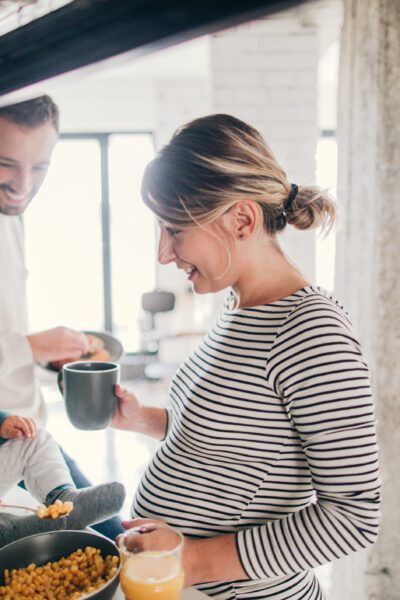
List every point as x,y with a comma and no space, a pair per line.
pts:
32,113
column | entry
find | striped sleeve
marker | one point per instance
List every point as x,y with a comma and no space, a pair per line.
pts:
316,367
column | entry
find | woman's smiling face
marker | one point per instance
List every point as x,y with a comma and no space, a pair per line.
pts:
203,252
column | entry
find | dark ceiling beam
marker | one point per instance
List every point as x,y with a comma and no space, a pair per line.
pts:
87,31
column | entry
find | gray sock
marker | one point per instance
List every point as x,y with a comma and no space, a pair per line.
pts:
93,504
13,527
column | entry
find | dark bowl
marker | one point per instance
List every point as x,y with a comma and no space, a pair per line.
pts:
45,547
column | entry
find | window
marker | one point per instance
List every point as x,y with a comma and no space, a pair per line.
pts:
90,240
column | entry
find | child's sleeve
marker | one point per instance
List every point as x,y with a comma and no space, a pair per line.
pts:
3,415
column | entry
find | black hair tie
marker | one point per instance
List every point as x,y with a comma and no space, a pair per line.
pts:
293,193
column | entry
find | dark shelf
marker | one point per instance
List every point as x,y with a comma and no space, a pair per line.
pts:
87,31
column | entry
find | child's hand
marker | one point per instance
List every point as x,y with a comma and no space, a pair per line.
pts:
15,427
127,411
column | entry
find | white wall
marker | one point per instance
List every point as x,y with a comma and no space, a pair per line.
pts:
265,73
90,104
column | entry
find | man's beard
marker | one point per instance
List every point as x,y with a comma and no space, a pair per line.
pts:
10,209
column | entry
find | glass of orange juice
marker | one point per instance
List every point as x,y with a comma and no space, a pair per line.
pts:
151,565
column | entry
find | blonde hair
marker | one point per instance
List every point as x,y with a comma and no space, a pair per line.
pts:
213,162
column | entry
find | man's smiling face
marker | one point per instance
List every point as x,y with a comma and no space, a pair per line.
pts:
25,154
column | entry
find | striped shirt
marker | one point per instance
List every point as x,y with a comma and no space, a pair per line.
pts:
272,437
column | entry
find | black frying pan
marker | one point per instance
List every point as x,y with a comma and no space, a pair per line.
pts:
45,547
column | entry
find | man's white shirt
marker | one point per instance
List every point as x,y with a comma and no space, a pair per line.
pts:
19,385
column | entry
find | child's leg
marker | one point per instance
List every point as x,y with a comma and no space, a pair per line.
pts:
93,504
37,461
11,472
18,461
13,527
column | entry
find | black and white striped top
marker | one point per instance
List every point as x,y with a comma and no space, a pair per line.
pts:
272,436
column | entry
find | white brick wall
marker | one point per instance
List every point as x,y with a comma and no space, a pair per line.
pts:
179,101
265,73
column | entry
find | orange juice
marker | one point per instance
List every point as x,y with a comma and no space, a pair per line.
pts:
152,575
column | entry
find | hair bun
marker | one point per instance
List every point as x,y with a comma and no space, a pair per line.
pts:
311,208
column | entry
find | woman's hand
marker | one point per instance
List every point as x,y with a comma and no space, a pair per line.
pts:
203,560
128,410
148,534
14,427
154,534
131,415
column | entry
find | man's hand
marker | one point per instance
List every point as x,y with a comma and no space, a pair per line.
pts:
14,427
58,344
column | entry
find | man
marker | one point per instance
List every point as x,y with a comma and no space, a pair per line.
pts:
28,134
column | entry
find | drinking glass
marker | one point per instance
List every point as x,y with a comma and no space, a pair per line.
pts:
151,569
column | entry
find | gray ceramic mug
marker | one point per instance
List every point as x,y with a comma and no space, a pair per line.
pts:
88,391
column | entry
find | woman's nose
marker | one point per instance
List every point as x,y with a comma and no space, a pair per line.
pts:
166,253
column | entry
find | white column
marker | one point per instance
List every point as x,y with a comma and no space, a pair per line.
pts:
368,256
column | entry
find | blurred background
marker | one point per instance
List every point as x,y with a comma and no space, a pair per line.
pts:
278,73
91,245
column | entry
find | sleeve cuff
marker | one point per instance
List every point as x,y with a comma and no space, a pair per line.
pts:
3,415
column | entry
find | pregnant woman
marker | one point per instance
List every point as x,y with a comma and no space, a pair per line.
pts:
269,460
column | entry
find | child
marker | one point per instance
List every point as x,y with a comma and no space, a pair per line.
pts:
32,455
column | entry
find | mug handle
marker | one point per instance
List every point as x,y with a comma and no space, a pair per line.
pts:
60,381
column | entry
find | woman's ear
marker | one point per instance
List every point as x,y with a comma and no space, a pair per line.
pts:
245,215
